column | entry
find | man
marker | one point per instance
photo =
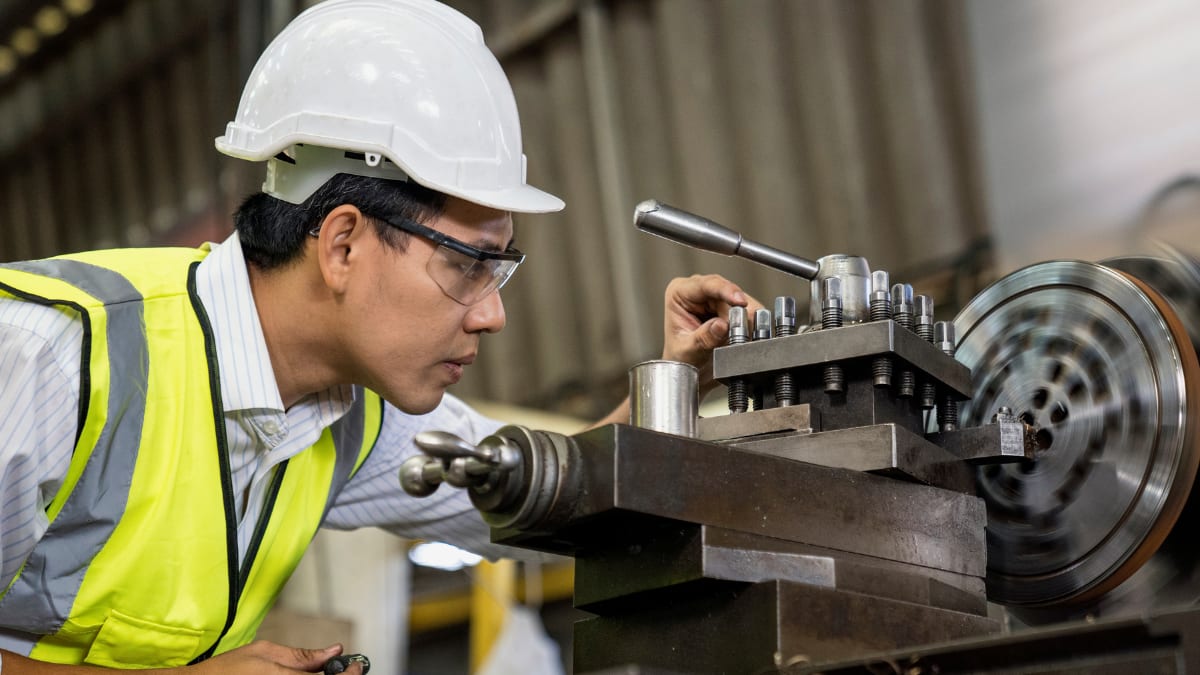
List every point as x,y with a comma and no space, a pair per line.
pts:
179,422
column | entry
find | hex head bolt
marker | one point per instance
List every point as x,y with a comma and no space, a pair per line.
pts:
944,339
881,309
739,399
762,331
831,317
927,391
785,325
902,313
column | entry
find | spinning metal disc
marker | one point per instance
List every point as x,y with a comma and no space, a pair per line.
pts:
1173,274
1092,358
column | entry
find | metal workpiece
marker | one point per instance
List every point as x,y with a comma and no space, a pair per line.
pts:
794,419
884,449
854,274
1100,523
881,310
926,390
739,333
664,396
831,317
654,217
947,413
816,348
785,326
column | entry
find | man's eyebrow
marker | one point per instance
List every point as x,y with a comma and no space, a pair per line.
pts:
485,245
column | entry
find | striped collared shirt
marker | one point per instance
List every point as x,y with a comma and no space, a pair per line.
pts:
40,355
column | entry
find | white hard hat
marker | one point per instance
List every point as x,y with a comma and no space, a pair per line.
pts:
387,88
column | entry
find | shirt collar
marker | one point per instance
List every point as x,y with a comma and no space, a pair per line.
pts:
247,380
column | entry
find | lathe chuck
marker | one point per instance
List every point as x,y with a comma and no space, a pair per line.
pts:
1101,364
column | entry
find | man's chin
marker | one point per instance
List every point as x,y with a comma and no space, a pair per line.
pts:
414,405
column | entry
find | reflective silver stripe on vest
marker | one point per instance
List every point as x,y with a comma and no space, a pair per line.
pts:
348,436
40,600
17,642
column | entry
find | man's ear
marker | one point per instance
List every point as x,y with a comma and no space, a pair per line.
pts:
340,245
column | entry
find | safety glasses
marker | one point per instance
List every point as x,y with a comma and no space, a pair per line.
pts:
463,272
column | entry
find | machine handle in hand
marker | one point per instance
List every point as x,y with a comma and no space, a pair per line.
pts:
339,664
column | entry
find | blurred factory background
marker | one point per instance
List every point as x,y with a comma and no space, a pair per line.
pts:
947,141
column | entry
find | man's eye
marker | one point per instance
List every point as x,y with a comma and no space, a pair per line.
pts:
474,271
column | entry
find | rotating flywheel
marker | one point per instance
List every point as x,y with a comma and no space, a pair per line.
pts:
1098,359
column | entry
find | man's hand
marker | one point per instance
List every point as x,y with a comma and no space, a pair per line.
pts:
695,320
258,658
268,657
694,325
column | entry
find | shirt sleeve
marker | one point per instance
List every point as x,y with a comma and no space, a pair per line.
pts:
37,436
374,497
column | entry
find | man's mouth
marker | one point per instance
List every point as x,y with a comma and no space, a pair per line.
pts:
455,366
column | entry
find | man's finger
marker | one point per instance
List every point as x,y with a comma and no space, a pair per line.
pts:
309,660
703,290
711,334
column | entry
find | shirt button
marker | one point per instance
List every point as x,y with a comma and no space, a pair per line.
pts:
270,427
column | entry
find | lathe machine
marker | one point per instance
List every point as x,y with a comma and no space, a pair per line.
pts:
882,481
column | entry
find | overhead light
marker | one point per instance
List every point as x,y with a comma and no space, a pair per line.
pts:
442,556
77,7
8,61
50,20
25,41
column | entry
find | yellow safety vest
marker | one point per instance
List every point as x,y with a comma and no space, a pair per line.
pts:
139,566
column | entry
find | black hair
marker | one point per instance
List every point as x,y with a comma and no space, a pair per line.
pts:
273,232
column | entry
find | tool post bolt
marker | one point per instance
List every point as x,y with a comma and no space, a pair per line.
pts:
902,314
739,400
924,330
831,317
762,331
944,339
785,325
881,310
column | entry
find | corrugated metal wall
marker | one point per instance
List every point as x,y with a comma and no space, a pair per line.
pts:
817,126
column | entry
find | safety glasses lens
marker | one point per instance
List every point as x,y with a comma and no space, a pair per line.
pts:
466,279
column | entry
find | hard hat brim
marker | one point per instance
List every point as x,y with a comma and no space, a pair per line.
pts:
524,199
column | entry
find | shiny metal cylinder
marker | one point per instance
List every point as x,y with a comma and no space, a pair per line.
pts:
855,274
665,396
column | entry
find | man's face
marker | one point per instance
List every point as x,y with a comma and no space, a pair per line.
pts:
410,341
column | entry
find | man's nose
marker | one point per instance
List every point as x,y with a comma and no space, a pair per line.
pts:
487,315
